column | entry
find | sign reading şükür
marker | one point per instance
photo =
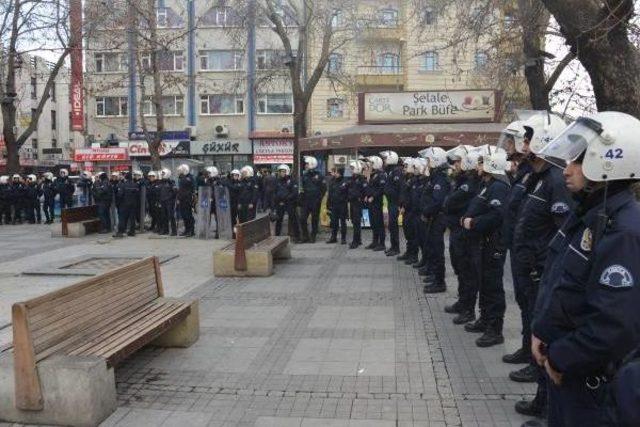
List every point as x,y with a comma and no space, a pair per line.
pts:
429,107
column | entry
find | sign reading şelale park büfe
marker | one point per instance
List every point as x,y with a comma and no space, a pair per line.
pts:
429,106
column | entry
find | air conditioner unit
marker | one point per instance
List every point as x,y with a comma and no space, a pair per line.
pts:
221,130
193,131
286,128
340,160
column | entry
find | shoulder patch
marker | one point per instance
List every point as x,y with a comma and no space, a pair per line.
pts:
464,187
616,276
560,208
495,203
587,240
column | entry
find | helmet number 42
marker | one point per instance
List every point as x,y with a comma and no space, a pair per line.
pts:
614,154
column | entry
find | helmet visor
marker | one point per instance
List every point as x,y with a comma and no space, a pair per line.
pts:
507,141
571,143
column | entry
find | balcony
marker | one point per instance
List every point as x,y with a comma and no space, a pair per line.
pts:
380,76
383,33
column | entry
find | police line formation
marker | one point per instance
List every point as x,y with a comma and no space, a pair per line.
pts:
557,198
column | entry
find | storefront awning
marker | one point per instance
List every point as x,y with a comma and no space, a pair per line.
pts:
405,135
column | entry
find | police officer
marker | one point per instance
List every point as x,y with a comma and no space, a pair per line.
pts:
337,206
128,196
186,189
64,189
248,195
422,173
284,200
392,191
483,220
586,318
374,197
85,185
410,256
463,190
153,199
355,194
212,179
102,194
17,198
313,190
167,197
32,200
433,196
5,200
49,192
544,210
234,184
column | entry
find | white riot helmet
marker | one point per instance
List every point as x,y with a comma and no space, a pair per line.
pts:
48,175
235,172
512,137
138,173
152,174
544,128
495,163
376,162
422,167
115,175
86,175
183,169
458,152
165,173
32,178
609,143
408,163
16,176
356,167
246,172
4,179
310,162
470,160
390,158
437,156
213,171
285,168
64,173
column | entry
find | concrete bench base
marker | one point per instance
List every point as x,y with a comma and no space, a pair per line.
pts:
259,262
76,229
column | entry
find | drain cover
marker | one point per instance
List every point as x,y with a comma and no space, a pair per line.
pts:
97,263
90,265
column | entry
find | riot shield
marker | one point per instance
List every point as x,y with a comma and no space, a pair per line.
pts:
203,214
223,212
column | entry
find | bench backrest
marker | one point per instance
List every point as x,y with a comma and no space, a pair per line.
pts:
78,214
52,322
248,234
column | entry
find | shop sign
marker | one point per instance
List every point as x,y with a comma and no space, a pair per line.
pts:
270,151
428,107
174,148
169,135
114,154
221,147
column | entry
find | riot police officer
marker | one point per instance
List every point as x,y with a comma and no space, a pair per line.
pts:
128,199
65,189
186,189
167,196
32,200
313,190
374,197
337,206
85,186
410,255
5,200
17,198
392,191
102,194
248,195
421,230
586,318
433,196
153,199
49,192
483,220
234,185
355,194
284,200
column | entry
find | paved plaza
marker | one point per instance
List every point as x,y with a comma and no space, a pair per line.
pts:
336,337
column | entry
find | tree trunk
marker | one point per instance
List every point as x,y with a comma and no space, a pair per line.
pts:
534,20
299,132
155,155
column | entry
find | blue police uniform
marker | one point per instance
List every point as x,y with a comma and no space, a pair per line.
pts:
128,197
392,191
587,309
355,193
433,196
487,251
375,189
248,195
285,198
313,189
186,189
337,205
408,220
419,227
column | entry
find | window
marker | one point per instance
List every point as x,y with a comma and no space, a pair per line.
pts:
54,123
161,17
220,60
34,144
335,108
220,16
388,18
221,104
388,63
171,106
111,106
509,20
430,61
33,113
337,20
281,103
271,59
430,16
170,61
54,143
52,92
481,60
335,63
110,62
34,88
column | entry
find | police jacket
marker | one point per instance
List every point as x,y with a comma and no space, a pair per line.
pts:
248,192
394,184
463,190
434,193
543,212
415,195
48,189
102,191
487,210
587,310
5,193
153,192
186,188
338,193
31,192
64,187
522,184
167,191
377,184
128,193
286,191
85,185
17,192
313,186
234,190
405,192
356,186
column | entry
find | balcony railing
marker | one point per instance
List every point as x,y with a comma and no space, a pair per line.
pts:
377,70
380,76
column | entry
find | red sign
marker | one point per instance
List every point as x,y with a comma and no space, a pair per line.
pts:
77,98
269,159
100,155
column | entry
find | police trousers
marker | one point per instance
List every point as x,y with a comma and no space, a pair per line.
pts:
127,218
576,403
409,230
435,247
522,285
339,221
394,230
469,266
456,243
245,213
310,209
355,212
104,213
48,207
292,214
492,298
377,222
186,213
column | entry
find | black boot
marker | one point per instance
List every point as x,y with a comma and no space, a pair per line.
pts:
437,287
418,265
343,241
333,239
464,318
313,238
492,336
528,374
354,245
403,257
477,327
379,248
424,271
392,252
411,260
371,246
534,408
521,355
454,308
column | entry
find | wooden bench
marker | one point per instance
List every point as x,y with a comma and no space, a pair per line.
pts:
77,222
253,251
99,322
